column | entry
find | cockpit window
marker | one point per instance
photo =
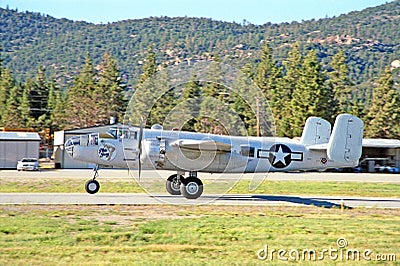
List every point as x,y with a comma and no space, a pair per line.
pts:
93,139
119,133
134,135
113,132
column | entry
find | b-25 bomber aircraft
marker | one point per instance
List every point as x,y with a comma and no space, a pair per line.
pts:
319,147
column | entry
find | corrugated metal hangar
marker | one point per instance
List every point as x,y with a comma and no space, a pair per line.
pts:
17,145
380,155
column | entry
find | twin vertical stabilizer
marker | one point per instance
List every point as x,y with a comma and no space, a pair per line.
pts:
316,131
343,145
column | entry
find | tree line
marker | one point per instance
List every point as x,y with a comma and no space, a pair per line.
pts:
296,88
97,93
370,39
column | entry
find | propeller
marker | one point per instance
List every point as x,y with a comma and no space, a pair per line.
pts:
140,145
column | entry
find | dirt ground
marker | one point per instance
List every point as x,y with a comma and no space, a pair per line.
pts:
122,214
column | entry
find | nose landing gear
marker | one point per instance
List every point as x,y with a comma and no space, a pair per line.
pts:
190,187
93,186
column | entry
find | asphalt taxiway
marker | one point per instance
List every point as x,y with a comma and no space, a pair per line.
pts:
282,176
226,199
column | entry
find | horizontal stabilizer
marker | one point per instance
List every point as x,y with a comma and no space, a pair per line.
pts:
345,144
318,147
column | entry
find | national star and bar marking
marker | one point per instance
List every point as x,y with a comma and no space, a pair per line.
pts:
280,155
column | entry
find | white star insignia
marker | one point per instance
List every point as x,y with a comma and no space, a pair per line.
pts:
280,156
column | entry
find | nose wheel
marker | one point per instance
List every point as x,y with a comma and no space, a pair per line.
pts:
93,186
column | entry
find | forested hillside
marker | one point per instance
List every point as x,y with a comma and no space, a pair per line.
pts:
370,39
60,74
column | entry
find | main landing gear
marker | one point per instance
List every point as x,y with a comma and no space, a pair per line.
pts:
190,187
92,186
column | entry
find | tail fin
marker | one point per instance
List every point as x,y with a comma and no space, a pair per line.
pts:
316,131
345,144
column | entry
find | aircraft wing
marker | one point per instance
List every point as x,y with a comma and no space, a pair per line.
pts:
202,145
323,146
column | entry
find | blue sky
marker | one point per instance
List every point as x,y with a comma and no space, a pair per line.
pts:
254,11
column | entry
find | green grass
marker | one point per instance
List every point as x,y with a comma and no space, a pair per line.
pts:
178,235
114,185
66,185
322,188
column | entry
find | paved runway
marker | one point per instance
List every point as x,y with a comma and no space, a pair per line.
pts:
123,173
229,199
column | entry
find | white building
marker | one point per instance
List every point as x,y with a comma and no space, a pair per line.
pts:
17,145
382,152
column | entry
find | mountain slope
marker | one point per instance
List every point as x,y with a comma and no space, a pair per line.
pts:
370,38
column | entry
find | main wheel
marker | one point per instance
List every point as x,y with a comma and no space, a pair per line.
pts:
92,186
191,187
173,184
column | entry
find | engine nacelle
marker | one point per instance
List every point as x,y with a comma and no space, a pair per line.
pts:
206,160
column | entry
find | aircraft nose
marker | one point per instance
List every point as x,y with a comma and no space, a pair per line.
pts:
70,144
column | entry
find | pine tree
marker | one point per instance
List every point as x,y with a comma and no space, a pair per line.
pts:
266,71
311,96
24,110
11,116
45,120
164,100
108,92
38,95
149,66
284,90
213,87
7,83
1,61
190,104
357,108
58,116
293,68
243,103
268,77
215,116
383,118
142,101
80,101
340,84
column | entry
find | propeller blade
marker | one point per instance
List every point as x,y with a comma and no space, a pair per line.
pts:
140,146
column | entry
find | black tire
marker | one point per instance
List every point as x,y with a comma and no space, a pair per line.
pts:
191,187
173,184
92,186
